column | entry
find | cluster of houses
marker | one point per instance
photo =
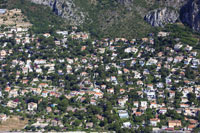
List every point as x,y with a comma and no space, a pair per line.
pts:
131,65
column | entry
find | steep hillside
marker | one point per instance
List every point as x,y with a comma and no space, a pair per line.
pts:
64,8
117,19
122,18
114,18
41,17
110,18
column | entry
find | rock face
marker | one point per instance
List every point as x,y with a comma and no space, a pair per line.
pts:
64,8
161,17
190,14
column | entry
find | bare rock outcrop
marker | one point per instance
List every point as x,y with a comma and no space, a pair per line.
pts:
64,8
161,17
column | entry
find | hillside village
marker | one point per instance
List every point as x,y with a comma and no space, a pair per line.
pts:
68,81
13,17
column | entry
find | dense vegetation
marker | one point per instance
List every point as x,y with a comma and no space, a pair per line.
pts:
185,34
112,19
3,3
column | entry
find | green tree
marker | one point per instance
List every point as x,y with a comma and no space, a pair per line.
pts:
192,98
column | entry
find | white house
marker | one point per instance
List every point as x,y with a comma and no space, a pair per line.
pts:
32,106
154,122
144,104
126,125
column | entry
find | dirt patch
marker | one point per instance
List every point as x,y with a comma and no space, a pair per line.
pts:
13,123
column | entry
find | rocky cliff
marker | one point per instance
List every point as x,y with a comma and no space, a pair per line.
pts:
109,17
190,14
64,8
160,17
167,13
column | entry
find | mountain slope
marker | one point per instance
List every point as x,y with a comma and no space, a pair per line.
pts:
112,18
